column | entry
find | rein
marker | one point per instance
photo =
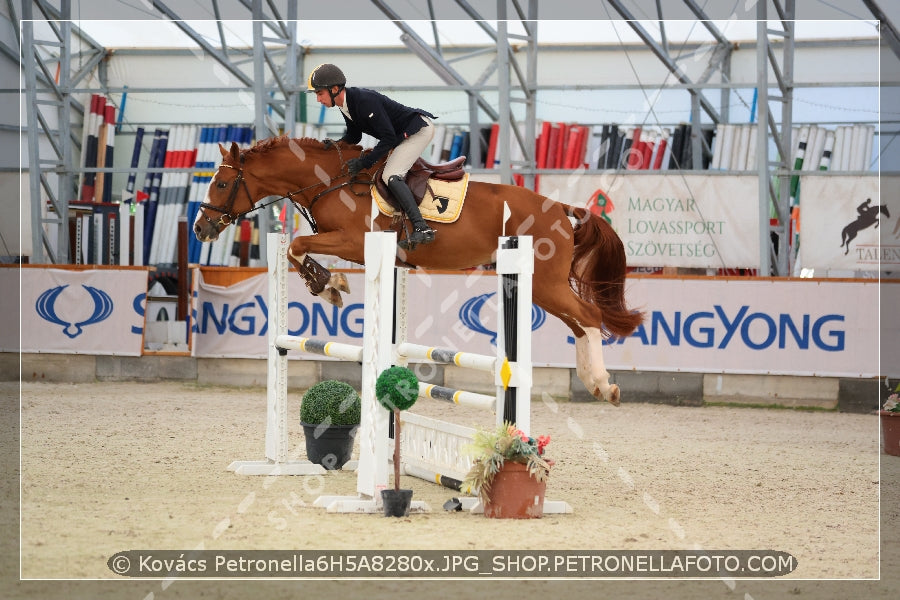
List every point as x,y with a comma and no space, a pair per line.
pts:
228,218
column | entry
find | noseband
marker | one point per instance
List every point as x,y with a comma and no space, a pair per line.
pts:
226,217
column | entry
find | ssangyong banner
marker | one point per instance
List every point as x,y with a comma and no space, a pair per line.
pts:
671,220
801,327
846,224
76,311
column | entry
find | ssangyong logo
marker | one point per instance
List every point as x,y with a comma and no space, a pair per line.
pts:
46,308
470,315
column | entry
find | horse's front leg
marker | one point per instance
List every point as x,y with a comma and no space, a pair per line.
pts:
319,280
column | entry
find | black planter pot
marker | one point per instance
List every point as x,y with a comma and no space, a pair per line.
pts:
396,502
329,446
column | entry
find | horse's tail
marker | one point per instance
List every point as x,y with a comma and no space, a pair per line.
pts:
598,271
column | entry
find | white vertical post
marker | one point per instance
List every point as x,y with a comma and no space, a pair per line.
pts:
519,261
277,448
276,385
139,234
377,354
401,306
523,369
124,233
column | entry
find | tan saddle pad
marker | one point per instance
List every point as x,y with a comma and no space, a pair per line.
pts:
442,201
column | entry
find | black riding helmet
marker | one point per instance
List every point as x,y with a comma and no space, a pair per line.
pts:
326,76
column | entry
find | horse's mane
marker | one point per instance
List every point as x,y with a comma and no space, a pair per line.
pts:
269,143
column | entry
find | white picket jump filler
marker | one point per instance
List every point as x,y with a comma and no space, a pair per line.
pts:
432,448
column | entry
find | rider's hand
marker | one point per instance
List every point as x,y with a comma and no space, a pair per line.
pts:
328,143
354,166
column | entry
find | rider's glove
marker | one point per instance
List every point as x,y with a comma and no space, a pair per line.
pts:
354,166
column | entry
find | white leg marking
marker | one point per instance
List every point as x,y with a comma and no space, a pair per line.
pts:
590,368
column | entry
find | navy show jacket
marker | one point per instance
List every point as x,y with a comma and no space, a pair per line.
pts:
385,119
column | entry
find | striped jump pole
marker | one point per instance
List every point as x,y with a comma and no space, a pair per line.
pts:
466,360
461,397
321,347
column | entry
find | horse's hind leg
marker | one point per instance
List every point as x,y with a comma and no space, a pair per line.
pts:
556,297
590,368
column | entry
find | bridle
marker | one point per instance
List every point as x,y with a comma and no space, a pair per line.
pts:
227,216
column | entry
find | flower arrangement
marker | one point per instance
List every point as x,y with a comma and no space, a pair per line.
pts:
892,404
491,448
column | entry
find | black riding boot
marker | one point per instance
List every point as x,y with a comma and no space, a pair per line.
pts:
422,233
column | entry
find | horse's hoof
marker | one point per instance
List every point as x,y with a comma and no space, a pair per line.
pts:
614,395
332,296
339,282
611,395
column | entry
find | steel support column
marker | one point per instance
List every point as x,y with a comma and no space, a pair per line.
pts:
775,255
49,177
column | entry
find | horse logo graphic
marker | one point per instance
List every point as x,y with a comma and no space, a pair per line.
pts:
867,216
46,308
470,315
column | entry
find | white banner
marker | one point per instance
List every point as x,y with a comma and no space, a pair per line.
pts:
845,223
77,311
672,220
799,327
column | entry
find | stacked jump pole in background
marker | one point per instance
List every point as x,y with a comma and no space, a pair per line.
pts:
432,449
139,226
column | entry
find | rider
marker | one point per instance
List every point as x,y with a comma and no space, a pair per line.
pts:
400,129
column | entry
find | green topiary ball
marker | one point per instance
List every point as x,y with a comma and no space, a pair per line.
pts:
397,387
333,400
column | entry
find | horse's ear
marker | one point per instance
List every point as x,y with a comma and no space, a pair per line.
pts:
234,151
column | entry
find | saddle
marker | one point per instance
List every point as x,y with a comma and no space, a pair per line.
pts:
418,176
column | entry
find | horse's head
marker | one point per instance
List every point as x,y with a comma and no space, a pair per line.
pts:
229,196
292,168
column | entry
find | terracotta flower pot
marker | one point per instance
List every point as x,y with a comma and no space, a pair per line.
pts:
890,429
515,494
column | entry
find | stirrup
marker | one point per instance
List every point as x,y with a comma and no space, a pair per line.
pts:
416,237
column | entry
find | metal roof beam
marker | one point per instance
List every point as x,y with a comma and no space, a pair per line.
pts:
888,31
281,30
52,14
432,59
705,21
664,57
217,55
479,20
492,33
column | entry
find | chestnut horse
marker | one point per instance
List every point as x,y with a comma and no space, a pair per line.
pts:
579,268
